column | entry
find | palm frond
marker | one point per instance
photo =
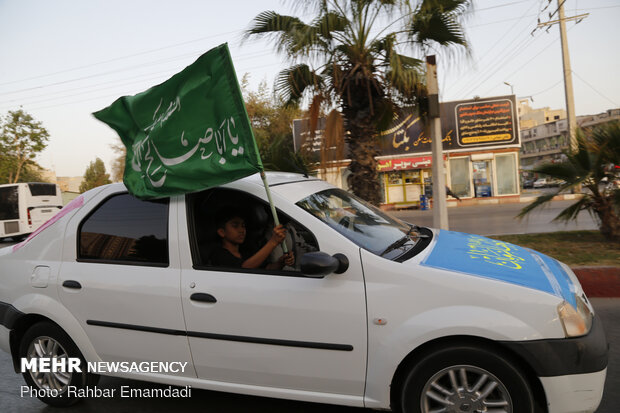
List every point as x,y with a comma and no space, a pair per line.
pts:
291,83
570,213
538,202
289,33
329,23
438,21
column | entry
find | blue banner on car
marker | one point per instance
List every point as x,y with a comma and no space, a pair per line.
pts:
484,257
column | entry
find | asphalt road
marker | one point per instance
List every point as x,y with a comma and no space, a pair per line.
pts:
500,219
203,400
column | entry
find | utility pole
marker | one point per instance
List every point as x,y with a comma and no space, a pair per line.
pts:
440,208
568,77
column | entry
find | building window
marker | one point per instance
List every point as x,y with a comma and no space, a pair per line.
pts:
506,166
459,177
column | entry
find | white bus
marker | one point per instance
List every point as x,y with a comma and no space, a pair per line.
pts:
24,207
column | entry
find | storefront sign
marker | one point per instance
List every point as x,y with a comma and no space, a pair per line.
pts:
480,123
404,164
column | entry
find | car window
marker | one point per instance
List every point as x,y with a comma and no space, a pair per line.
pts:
127,230
364,224
203,211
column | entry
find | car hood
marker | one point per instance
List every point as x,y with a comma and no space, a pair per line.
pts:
479,256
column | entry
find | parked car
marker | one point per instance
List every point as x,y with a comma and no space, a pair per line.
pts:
528,183
540,183
374,313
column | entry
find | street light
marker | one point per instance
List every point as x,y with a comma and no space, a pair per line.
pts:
512,91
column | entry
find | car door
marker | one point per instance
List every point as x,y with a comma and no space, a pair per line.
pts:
120,279
277,329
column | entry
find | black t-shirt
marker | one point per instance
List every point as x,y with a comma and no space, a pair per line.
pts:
221,257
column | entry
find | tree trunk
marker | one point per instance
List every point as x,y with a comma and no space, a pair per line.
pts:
20,164
364,179
610,222
361,99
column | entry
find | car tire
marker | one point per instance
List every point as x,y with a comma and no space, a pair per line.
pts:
47,340
466,378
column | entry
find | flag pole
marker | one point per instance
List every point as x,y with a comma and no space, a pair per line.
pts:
276,221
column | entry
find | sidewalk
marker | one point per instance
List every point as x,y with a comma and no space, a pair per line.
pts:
599,281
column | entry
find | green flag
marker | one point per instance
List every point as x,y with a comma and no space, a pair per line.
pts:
189,133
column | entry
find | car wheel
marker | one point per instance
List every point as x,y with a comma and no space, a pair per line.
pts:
47,340
466,379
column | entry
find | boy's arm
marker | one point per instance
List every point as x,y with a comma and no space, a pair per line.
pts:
261,255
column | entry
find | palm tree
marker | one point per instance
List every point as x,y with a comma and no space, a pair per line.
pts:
349,61
592,167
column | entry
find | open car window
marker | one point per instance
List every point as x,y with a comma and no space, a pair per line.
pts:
203,209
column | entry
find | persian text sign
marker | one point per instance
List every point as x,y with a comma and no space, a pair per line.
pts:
404,164
485,123
188,133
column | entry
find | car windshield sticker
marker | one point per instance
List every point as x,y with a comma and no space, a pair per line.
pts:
502,261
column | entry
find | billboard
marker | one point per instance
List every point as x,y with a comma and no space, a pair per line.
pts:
489,123
468,124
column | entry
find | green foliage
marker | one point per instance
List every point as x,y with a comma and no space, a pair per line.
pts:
353,57
590,168
94,176
21,139
271,122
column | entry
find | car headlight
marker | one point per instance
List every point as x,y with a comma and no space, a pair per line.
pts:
575,321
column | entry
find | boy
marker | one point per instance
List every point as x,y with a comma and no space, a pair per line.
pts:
231,230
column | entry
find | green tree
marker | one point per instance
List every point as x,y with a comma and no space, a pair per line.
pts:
349,61
94,176
118,164
591,167
271,122
21,139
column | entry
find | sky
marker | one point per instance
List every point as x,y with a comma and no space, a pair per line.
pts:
61,60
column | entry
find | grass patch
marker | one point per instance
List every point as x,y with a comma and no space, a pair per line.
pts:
575,248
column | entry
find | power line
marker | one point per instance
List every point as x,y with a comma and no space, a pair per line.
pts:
500,5
152,63
533,57
549,88
118,58
594,89
460,91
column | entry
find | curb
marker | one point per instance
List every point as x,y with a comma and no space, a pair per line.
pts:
599,281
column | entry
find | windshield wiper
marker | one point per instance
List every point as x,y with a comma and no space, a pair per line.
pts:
402,241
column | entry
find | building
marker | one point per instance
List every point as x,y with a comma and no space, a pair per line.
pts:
530,117
548,141
481,145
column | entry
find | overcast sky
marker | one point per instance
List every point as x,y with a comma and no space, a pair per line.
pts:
61,60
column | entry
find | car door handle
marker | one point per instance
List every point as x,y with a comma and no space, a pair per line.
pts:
72,284
203,297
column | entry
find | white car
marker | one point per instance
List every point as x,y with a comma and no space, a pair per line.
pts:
374,313
540,183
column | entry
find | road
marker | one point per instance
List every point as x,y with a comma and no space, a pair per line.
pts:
203,400
500,219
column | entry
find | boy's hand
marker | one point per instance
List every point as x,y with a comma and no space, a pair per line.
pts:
287,259
278,235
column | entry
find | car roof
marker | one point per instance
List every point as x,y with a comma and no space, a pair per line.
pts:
273,179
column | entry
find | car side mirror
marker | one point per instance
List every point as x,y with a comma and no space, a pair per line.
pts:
319,264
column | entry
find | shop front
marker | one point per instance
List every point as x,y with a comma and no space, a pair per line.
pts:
481,144
404,179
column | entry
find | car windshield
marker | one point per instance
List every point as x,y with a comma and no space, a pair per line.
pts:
362,223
